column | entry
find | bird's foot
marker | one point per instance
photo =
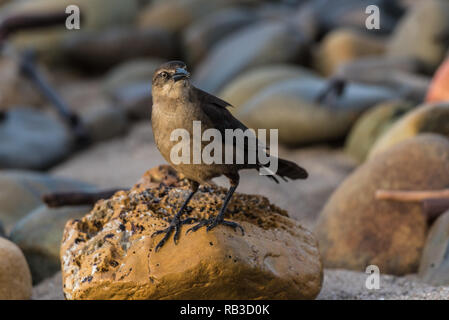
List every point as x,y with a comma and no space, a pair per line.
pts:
175,225
213,222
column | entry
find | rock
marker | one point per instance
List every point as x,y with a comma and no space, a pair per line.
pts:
109,254
202,35
105,122
39,237
271,42
99,15
372,124
430,118
177,15
355,230
32,140
129,86
15,277
290,107
403,75
9,82
330,15
417,34
2,230
102,50
439,87
22,192
249,83
434,265
130,73
344,45
49,289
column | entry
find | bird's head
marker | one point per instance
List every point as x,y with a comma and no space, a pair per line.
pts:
171,79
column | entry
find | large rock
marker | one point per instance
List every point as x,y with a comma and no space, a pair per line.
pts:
249,83
22,192
15,277
372,124
129,85
202,35
433,118
345,45
271,42
104,49
32,140
290,106
39,237
96,15
434,265
329,15
418,33
175,15
355,230
109,254
105,122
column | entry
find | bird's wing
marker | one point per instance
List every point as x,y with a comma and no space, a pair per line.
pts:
207,98
215,110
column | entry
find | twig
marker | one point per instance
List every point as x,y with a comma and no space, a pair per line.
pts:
54,200
411,196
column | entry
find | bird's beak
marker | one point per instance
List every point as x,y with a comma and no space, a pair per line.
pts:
180,74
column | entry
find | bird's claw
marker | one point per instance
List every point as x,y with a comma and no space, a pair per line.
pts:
213,222
174,225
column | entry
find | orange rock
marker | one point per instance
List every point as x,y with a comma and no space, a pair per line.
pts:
439,87
109,254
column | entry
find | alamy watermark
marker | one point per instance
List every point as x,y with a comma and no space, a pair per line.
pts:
373,280
373,20
236,147
73,21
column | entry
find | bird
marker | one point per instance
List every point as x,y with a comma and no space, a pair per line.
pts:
177,103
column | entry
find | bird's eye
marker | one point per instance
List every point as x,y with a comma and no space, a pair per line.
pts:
164,75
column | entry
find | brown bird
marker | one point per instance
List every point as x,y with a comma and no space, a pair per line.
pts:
176,105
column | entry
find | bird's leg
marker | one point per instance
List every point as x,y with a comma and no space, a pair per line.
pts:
219,219
176,223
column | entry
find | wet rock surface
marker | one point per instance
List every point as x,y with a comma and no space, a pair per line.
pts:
109,254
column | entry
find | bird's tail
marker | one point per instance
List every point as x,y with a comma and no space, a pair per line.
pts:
288,169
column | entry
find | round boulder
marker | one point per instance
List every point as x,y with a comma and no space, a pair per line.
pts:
39,236
355,230
433,118
434,266
15,276
110,253
290,106
271,42
344,45
249,83
372,124
417,35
